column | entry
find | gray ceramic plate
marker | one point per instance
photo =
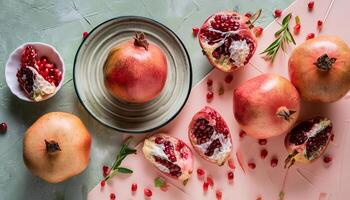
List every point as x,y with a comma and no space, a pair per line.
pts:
121,116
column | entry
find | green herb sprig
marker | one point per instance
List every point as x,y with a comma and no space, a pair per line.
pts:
283,37
123,153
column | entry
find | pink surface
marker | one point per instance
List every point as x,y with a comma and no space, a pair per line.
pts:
304,182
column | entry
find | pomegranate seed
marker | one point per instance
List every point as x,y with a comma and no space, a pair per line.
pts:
319,24
133,187
262,141
85,35
259,198
278,13
310,36
230,176
103,183
195,31
205,186
297,28
159,140
231,164
200,172
263,153
251,165
327,159
218,194
332,137
229,78
147,192
209,82
105,170
258,31
112,196
274,162
311,5
242,134
249,15
3,127
210,181
210,95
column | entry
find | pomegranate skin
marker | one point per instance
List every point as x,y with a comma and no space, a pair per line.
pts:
259,102
317,84
74,142
134,74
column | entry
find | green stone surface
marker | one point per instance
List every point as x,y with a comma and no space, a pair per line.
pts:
61,24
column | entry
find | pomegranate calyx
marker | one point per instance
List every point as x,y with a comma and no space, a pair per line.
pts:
253,19
52,146
324,62
290,160
140,40
285,113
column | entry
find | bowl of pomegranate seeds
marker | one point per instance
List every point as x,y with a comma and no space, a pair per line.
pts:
34,71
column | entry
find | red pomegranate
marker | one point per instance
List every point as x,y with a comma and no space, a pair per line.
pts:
136,71
308,140
227,40
170,155
210,136
266,106
320,69
57,147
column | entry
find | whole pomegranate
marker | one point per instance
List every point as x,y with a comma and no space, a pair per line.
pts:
56,147
308,140
210,136
135,71
266,106
320,69
227,40
170,155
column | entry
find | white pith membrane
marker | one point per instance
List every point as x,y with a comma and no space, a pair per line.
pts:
150,149
41,87
239,49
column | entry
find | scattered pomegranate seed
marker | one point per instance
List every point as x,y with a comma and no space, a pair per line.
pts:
200,172
85,34
242,134
165,187
274,162
258,31
209,82
133,187
297,28
310,36
327,159
3,127
249,15
210,95
230,176
311,5
278,13
332,137
263,153
147,192
262,141
218,194
112,196
229,78
210,181
105,170
251,165
195,31
319,24
231,164
103,183
259,198
205,186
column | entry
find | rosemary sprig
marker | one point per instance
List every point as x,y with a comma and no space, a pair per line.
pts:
253,19
123,152
283,37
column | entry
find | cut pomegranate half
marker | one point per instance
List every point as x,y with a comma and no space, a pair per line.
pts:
210,136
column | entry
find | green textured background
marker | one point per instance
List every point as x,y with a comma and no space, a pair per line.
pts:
61,24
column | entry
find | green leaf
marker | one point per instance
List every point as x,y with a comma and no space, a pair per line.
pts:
159,182
124,170
253,18
286,19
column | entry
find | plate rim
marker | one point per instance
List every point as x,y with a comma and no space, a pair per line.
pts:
134,17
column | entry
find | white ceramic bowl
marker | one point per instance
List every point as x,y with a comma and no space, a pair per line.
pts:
14,63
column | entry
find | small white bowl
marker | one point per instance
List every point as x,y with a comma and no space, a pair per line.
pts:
14,63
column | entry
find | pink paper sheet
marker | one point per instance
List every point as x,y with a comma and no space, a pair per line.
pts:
305,182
